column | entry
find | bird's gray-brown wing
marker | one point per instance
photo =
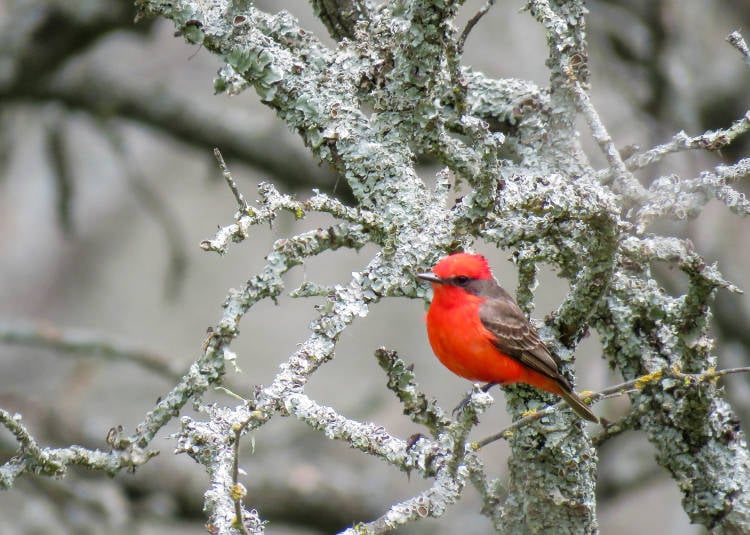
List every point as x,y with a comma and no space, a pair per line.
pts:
515,336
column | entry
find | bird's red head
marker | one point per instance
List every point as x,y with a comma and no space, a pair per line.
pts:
474,266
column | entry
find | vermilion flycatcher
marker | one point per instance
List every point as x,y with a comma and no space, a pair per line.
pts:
478,331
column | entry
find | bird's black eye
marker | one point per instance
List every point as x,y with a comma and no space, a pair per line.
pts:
461,280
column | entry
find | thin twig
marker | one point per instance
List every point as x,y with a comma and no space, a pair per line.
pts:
471,23
616,428
13,424
625,180
710,140
55,461
420,408
737,41
230,180
715,374
238,489
610,392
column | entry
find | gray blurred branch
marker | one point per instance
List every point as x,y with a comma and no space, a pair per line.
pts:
103,94
34,72
70,341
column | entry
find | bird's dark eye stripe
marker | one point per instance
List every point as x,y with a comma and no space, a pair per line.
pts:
460,280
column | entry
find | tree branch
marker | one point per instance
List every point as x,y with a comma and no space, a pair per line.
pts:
87,344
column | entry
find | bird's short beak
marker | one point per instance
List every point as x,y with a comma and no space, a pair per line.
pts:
431,277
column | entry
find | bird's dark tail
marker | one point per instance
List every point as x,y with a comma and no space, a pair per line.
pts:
578,405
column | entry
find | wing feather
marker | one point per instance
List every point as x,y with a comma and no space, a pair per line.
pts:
516,337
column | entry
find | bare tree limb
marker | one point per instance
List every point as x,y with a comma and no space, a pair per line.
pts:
84,343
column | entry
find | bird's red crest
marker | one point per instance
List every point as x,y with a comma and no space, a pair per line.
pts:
474,266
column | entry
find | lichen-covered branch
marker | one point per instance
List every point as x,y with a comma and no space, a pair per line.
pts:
544,216
737,41
624,181
711,140
529,189
693,428
417,405
627,387
54,462
433,502
677,198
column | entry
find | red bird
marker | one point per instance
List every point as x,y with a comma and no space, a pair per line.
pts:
478,331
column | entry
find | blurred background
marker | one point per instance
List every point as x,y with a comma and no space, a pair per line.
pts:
108,185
